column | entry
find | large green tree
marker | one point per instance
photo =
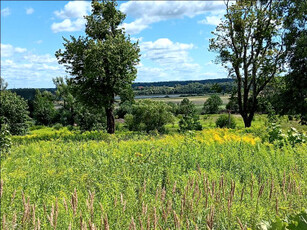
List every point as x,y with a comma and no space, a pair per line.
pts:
294,96
103,62
248,43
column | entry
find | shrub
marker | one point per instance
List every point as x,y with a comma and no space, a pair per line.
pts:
58,126
189,123
14,113
188,120
149,115
211,106
226,121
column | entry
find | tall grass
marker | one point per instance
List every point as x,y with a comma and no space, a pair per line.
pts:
214,179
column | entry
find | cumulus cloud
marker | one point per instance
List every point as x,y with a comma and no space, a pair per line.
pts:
211,20
29,11
5,12
149,12
169,60
22,68
165,52
72,16
8,50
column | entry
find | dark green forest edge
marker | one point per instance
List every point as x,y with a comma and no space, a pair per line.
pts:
210,154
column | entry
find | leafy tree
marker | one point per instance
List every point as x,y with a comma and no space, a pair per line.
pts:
101,64
189,120
248,45
294,96
63,92
149,115
186,107
211,105
43,106
13,113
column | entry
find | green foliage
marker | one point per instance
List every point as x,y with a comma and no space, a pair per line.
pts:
215,171
189,120
226,121
296,221
124,108
14,112
126,102
69,109
232,104
278,137
249,45
186,107
149,115
89,118
5,139
44,109
102,63
211,106
293,97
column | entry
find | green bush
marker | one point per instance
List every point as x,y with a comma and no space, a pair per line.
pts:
189,120
211,106
14,113
149,115
226,121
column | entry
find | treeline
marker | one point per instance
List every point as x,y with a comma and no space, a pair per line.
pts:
190,88
174,83
29,93
224,85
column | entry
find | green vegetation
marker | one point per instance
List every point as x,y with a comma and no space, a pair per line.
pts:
211,106
102,63
225,121
148,115
189,120
13,113
216,177
44,111
167,167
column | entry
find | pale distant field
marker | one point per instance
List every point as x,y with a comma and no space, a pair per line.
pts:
197,100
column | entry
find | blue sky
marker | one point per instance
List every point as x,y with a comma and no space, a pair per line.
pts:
173,37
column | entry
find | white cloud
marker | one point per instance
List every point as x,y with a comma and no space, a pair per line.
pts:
29,11
8,50
22,68
211,20
5,12
39,41
72,16
148,12
74,9
165,52
169,60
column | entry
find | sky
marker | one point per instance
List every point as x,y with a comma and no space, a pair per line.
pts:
173,38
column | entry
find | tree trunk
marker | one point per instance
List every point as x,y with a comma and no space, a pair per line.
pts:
247,120
110,120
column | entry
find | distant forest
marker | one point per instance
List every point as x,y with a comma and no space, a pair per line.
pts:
224,85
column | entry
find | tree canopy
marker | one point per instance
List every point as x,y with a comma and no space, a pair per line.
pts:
249,46
101,64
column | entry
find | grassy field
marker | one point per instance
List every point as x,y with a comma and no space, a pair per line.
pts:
197,100
211,179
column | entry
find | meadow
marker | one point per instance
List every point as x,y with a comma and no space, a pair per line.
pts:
210,179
